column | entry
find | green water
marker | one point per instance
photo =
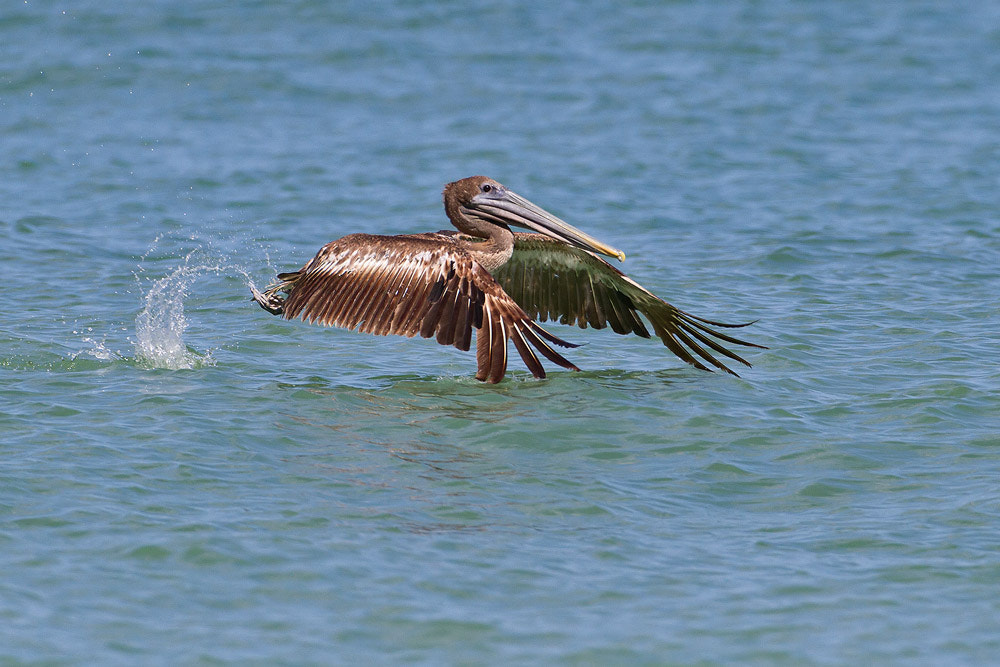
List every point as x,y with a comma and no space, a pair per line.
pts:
185,479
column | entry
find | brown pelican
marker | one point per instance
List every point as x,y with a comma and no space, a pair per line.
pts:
490,279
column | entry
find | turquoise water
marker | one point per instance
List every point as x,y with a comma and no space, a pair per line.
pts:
186,479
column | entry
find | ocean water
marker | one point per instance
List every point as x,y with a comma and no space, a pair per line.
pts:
185,479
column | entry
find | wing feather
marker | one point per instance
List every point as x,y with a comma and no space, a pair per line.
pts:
527,354
484,346
426,284
462,335
356,297
449,316
383,284
498,355
411,308
555,281
390,286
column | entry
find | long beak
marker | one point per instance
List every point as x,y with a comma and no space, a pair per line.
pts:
513,209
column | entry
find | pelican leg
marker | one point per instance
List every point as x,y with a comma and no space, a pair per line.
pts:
270,299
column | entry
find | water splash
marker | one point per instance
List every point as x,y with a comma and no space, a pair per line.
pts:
159,328
161,325
98,349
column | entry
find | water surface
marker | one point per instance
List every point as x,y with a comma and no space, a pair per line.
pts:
185,479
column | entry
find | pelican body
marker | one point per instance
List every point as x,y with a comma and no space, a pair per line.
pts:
490,279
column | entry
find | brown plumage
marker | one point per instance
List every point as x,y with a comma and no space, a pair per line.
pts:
487,278
426,284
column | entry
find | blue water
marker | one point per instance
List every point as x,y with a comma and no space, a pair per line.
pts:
186,479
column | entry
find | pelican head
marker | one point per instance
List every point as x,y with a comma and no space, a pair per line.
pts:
482,199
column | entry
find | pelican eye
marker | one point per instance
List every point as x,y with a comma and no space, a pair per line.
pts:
487,187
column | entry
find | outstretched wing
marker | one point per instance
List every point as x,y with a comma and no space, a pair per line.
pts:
551,280
423,284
